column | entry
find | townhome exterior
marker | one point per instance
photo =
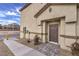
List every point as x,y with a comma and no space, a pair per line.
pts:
56,23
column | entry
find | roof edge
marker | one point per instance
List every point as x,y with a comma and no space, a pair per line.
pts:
25,6
42,10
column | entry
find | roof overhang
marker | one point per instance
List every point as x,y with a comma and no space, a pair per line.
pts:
25,6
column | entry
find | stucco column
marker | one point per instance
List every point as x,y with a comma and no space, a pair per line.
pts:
44,32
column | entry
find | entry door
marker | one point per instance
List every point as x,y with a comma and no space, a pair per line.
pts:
53,33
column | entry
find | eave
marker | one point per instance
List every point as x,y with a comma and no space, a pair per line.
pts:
25,6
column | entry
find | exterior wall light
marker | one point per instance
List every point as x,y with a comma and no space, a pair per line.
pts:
50,9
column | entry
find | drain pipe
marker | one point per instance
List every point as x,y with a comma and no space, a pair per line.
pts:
76,25
42,31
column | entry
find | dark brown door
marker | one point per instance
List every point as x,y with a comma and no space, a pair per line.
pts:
53,33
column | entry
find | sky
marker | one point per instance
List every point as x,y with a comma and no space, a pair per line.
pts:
9,13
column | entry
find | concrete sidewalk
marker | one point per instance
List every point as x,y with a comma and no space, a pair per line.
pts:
19,49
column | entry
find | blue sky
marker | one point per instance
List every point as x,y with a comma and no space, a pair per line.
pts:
9,13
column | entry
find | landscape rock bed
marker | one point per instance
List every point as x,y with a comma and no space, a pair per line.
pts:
49,49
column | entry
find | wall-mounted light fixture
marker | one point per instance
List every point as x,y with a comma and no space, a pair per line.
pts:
50,9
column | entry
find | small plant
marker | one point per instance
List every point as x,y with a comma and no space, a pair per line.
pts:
75,49
24,32
36,40
28,41
7,37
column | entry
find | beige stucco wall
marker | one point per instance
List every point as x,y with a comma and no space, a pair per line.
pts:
28,20
60,10
69,11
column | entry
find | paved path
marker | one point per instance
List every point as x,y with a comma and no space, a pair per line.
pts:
19,49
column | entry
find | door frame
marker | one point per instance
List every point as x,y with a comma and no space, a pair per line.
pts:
51,23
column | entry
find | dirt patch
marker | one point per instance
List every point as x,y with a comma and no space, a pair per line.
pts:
4,50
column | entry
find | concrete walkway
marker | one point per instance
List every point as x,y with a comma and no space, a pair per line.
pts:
19,49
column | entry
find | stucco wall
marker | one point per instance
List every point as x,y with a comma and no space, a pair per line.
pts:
28,20
60,10
70,13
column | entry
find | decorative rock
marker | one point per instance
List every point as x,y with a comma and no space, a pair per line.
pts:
49,49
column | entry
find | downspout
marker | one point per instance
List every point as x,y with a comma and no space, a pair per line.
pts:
41,30
76,23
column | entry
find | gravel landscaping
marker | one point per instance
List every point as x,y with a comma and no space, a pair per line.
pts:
48,49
